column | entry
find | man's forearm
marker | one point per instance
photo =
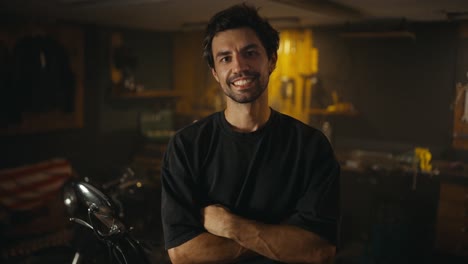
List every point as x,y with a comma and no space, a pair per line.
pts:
284,243
208,248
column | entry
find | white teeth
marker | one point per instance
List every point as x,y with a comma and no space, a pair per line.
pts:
242,82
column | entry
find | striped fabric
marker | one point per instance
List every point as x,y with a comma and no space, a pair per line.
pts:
31,186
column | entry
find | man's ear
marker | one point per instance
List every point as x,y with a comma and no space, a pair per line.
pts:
273,60
215,74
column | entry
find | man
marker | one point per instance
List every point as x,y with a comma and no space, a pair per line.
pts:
248,184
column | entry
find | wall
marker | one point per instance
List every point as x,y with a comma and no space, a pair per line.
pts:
110,133
402,87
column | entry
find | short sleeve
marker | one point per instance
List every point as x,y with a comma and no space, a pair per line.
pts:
318,209
180,211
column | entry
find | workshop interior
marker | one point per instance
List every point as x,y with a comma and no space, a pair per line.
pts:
93,90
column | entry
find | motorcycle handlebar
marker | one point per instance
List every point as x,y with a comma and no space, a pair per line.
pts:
81,222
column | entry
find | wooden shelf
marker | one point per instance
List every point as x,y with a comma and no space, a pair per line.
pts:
324,111
152,94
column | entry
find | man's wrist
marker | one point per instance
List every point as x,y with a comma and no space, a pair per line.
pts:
232,223
240,228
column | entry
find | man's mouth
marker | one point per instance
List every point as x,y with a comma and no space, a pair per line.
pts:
242,82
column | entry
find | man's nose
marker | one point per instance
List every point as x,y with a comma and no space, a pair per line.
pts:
240,64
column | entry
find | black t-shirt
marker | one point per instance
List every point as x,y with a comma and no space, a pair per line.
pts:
285,172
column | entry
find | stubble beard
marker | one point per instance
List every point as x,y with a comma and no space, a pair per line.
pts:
247,96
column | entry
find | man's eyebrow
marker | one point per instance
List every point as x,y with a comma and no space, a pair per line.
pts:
227,52
222,53
250,46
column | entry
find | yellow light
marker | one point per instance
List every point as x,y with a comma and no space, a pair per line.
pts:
287,46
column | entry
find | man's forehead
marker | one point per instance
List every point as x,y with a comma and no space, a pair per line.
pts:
235,38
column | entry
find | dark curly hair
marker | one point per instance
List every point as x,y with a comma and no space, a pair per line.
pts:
238,16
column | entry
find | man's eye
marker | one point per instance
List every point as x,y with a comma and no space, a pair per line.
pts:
225,59
251,53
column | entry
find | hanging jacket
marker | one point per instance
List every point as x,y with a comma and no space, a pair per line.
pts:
43,75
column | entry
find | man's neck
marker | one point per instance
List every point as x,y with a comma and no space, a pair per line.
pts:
247,117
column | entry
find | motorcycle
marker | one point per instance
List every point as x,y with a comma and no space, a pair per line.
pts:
102,234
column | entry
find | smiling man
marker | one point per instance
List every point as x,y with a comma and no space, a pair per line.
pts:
248,184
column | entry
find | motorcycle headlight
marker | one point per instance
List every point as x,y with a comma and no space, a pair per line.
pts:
69,198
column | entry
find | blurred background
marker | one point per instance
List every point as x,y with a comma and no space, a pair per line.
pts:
99,85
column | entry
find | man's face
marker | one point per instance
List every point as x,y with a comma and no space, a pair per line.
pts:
241,65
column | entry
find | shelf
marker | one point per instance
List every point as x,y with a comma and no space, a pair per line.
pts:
324,111
152,94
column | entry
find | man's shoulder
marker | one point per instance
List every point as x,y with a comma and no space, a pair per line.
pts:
286,120
198,127
299,131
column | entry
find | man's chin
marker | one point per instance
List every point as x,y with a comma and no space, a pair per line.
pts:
244,96
245,99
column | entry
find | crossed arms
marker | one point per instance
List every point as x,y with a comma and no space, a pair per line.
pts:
230,238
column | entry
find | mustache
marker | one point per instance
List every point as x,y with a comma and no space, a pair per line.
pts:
245,73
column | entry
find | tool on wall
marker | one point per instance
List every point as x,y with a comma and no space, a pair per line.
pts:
461,91
288,93
308,82
287,88
460,109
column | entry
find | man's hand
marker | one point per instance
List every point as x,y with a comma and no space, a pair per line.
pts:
211,246
217,220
